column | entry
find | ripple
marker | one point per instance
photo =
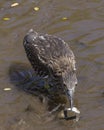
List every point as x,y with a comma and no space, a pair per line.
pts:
84,27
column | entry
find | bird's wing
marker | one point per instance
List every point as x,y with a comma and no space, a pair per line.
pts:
46,51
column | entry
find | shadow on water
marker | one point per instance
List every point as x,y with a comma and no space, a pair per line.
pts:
24,78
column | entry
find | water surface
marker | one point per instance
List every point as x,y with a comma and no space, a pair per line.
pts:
80,24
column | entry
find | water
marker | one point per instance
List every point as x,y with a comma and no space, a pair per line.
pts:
82,23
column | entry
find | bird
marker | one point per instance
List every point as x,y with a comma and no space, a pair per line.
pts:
52,58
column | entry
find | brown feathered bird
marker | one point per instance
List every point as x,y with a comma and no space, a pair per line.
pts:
51,57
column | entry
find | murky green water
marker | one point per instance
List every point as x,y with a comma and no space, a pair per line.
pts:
82,23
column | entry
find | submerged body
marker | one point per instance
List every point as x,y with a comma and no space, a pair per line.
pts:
51,57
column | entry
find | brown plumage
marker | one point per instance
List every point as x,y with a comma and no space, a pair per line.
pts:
51,57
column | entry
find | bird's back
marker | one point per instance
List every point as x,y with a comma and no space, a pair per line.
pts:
48,53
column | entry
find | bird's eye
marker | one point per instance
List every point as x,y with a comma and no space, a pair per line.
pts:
73,71
75,84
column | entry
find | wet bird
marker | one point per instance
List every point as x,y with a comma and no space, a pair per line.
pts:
52,59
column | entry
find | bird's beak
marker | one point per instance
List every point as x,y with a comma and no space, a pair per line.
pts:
70,97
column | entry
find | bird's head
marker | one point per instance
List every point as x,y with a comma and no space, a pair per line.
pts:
70,82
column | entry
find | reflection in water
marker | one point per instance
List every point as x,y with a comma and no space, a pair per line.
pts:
24,78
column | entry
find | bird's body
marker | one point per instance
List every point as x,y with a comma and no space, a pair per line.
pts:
51,56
